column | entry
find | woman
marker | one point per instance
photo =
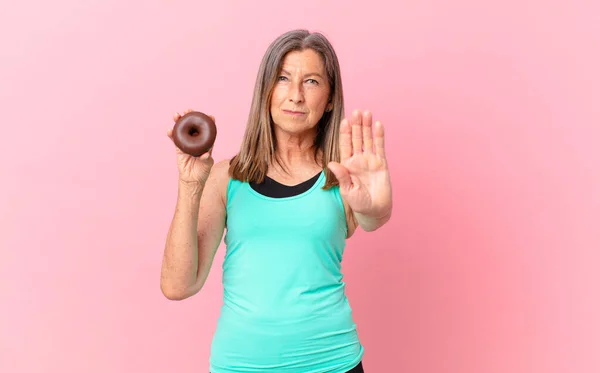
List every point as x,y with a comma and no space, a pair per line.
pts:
304,179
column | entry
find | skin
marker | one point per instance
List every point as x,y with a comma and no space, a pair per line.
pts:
299,99
362,171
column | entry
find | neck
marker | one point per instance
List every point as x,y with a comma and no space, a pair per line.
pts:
295,157
295,150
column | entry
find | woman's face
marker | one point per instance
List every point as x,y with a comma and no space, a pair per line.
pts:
301,92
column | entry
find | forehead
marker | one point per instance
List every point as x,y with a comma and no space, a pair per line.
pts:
307,61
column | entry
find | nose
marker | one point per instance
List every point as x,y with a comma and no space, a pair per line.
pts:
296,93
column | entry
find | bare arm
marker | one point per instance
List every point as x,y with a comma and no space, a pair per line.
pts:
195,234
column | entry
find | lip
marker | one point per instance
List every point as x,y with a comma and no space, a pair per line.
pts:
294,113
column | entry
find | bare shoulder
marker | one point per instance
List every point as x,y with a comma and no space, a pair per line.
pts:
218,178
213,202
220,169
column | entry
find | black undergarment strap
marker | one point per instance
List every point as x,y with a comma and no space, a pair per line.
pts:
274,189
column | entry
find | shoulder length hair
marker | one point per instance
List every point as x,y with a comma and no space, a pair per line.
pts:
257,150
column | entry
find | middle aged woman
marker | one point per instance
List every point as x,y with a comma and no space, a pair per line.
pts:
304,179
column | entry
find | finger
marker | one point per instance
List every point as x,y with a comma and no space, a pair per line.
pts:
176,117
213,118
188,111
367,132
379,140
170,133
342,175
345,140
357,141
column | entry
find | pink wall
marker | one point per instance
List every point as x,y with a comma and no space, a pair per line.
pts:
490,263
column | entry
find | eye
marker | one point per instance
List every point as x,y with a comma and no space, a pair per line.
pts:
282,78
312,81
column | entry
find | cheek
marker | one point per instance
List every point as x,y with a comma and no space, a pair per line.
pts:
321,97
319,103
276,96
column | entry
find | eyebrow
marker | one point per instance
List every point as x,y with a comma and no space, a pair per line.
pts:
305,75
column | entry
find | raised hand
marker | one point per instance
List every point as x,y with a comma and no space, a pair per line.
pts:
362,171
192,169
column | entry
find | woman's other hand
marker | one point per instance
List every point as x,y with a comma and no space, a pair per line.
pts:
362,171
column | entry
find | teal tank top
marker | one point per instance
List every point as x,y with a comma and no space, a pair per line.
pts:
284,306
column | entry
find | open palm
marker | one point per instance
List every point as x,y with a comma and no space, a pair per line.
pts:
362,171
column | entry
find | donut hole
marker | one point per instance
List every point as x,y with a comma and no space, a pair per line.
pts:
193,132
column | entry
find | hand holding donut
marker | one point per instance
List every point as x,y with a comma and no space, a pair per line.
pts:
193,134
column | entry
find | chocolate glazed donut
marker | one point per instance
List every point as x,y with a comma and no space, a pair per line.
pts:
194,133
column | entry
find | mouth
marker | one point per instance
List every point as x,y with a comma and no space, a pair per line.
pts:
294,113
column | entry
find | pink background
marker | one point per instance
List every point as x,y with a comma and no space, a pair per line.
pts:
490,263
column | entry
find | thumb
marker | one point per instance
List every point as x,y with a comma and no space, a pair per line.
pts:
342,174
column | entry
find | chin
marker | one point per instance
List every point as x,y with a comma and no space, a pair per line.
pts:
294,127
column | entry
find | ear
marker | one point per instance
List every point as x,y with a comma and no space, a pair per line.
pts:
329,107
